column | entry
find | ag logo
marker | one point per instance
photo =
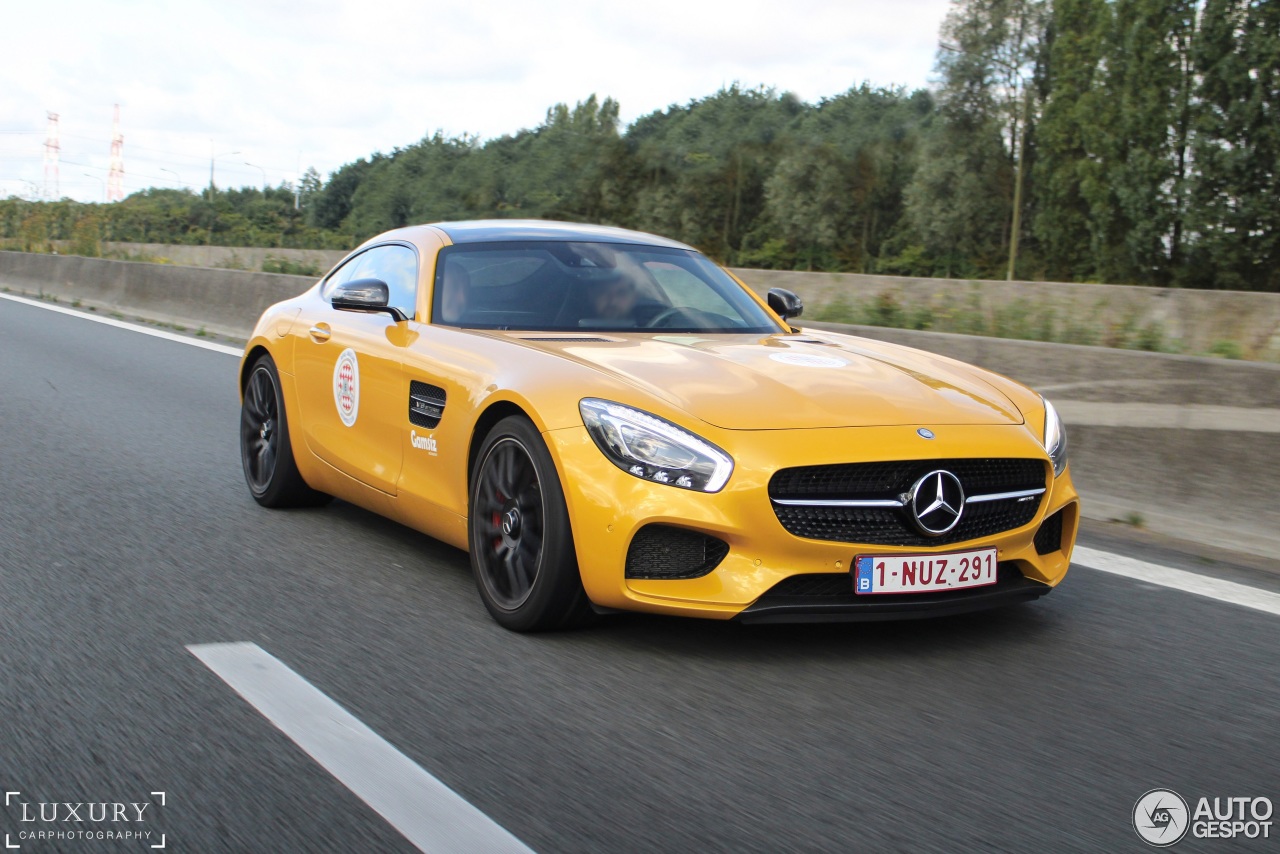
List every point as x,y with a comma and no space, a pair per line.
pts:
1160,817
346,386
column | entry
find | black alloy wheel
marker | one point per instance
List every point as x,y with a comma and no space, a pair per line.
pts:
265,451
512,514
521,547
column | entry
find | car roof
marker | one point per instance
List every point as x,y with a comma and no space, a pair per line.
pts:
498,230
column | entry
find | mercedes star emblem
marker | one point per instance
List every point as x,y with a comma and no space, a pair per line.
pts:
937,502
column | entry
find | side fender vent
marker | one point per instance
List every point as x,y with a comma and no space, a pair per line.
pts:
426,404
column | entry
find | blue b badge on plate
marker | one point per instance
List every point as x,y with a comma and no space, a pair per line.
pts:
864,574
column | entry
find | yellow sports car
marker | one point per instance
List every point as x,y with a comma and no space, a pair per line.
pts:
606,420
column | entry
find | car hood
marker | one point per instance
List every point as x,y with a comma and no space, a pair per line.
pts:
741,382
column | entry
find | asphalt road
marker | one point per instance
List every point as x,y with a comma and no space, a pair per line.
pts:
127,534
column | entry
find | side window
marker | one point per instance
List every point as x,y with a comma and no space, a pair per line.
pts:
394,264
398,267
345,273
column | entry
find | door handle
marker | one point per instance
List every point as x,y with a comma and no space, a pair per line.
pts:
320,332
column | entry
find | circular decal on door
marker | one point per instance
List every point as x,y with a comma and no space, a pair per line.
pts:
346,386
808,360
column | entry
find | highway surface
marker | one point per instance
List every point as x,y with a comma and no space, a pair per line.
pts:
127,535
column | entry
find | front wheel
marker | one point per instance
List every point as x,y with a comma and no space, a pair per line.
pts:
265,450
522,551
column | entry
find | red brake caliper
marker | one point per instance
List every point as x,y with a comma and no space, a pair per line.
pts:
497,519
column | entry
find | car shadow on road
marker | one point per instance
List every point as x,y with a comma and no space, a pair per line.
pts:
1018,625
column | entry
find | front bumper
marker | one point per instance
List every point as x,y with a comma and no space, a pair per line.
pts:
607,507
829,598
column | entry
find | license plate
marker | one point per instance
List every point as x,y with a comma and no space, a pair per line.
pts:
924,573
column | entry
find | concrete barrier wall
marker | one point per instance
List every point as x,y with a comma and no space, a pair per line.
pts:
1098,374
185,255
227,302
1184,321
1187,321
234,258
1187,446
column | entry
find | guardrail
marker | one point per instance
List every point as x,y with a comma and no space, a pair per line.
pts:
1182,445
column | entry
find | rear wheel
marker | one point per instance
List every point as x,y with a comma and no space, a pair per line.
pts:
265,450
521,545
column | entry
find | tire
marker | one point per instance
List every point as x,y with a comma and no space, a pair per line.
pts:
265,450
522,551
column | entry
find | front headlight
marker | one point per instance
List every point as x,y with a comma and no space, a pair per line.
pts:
1055,438
652,448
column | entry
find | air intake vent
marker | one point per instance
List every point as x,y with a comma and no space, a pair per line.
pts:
1049,537
568,339
426,404
661,551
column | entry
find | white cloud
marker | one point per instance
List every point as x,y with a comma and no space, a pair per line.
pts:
333,80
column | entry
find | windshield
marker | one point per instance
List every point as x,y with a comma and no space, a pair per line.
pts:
589,287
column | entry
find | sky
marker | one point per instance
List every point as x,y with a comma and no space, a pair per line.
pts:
268,88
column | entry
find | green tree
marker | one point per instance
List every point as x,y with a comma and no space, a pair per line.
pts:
1135,197
808,199
1237,147
86,236
34,230
332,206
960,204
1065,142
876,133
699,170
310,186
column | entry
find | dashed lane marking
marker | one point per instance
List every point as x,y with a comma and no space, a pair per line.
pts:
426,811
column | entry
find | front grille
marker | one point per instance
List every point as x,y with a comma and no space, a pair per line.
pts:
890,481
661,551
1049,537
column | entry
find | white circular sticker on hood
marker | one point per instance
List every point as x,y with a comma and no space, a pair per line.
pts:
808,360
346,386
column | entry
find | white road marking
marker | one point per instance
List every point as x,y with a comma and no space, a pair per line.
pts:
429,814
1179,579
120,324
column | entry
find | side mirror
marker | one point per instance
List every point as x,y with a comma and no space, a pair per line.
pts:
785,303
365,295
